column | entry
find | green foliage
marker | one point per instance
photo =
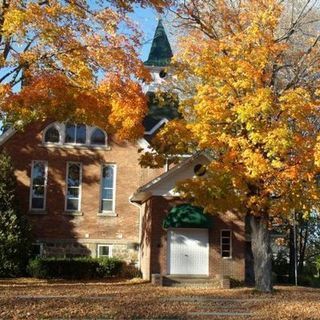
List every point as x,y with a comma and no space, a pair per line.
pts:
309,281
14,229
280,264
109,266
318,263
74,268
130,271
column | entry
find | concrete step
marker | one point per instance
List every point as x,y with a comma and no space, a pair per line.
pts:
190,281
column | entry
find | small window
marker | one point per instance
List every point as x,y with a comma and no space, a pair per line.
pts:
108,188
226,239
36,250
75,133
74,176
199,170
104,250
162,74
52,135
98,137
38,185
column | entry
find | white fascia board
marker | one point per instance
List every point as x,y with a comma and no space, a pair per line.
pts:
7,135
158,179
157,126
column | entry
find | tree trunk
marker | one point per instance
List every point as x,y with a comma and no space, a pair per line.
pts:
262,255
291,256
303,245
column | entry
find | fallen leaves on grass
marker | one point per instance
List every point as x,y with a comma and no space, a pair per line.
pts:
137,299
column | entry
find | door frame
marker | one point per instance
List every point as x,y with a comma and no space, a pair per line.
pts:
169,251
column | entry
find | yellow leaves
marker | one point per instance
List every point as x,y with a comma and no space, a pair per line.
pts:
255,164
277,142
317,153
13,21
256,106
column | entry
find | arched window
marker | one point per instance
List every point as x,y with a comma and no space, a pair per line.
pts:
52,135
75,133
98,137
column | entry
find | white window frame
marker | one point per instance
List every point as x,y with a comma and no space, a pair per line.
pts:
41,248
80,187
56,126
75,134
45,185
61,127
113,211
90,131
230,238
104,245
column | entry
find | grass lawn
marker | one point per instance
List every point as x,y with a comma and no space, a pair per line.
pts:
35,299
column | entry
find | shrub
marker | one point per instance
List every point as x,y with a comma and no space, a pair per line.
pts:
109,266
308,281
48,268
74,268
130,271
15,243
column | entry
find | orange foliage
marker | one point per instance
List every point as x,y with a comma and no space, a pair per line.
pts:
259,125
73,60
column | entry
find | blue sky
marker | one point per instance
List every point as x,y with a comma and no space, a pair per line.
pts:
147,19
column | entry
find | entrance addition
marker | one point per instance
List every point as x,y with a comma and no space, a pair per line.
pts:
188,252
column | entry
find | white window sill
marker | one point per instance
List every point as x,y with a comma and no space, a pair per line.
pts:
107,214
38,212
73,213
73,146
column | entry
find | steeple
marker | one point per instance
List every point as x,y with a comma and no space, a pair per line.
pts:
160,53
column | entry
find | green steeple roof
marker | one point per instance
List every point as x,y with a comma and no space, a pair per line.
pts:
160,53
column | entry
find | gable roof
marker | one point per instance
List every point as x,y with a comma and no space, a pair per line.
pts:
165,183
160,53
7,135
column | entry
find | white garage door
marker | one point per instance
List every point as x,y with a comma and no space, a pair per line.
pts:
188,251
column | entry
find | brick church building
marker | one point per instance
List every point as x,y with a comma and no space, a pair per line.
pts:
86,195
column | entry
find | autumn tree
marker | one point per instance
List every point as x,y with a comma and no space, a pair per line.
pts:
248,77
72,60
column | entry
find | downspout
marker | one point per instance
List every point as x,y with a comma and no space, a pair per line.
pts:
140,229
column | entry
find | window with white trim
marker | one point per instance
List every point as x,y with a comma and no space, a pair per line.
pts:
72,134
75,133
73,192
104,250
98,137
36,250
38,185
108,182
226,243
52,135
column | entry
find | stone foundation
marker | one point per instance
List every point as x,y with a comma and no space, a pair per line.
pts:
127,252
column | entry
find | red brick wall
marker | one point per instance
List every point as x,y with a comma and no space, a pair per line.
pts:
55,224
158,207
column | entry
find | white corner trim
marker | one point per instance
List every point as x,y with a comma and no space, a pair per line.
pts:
7,135
143,144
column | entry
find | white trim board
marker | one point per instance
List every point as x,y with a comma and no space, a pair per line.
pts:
164,184
7,135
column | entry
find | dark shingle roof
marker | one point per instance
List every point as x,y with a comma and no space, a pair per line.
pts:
161,106
160,52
